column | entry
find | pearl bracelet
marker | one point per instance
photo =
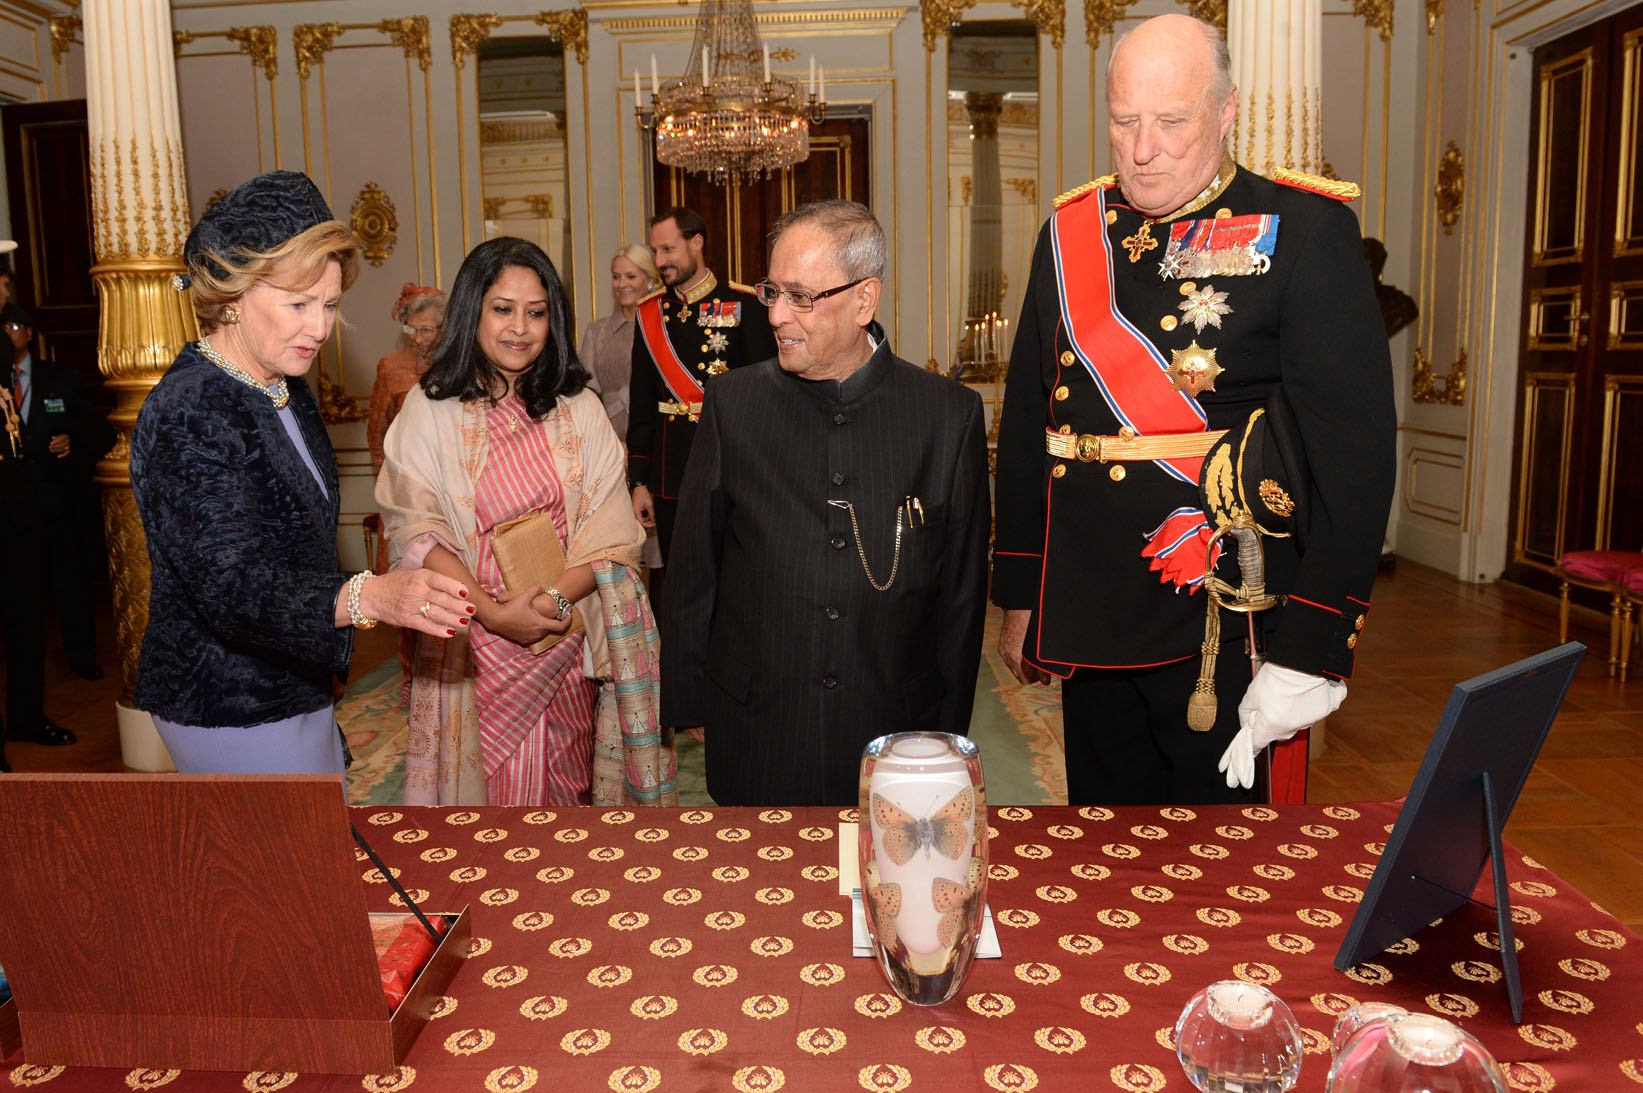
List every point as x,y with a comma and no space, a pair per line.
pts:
355,583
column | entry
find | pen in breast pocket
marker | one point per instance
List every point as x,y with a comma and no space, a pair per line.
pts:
914,508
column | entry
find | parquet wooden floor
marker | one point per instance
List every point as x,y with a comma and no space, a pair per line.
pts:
1581,813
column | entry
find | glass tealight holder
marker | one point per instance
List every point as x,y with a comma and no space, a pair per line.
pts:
1414,1053
922,845
1238,1037
1356,1017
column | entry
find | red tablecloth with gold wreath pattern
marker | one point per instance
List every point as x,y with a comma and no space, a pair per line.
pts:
710,949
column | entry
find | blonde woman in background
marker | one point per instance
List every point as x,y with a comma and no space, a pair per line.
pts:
607,349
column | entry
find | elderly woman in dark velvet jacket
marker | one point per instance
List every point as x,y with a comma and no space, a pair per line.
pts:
250,617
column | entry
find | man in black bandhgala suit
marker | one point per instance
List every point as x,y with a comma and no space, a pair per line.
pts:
828,574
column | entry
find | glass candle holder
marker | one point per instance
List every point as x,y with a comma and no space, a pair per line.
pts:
1414,1053
1355,1018
1238,1037
922,843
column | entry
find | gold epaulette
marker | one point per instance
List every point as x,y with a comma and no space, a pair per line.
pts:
651,296
1318,184
739,287
1088,188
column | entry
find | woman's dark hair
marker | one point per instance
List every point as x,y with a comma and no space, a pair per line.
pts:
461,370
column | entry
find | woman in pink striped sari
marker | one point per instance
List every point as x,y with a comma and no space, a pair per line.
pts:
503,426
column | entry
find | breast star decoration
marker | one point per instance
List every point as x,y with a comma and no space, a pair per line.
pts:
1204,307
1193,369
719,341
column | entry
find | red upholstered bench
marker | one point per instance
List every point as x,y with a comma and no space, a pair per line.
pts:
1606,571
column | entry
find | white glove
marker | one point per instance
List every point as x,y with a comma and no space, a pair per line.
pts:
1279,703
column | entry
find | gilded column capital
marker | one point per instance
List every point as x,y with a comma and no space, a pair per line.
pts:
983,108
938,16
1050,16
1376,14
311,42
63,28
1434,12
1215,11
410,33
569,28
1100,16
261,44
467,31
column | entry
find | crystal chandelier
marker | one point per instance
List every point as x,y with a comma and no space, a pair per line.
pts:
727,117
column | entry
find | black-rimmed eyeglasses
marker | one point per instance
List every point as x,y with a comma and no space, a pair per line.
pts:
797,299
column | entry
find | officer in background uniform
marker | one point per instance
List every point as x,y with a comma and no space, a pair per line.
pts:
692,331
1166,305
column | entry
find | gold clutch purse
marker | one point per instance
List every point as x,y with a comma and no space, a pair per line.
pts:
528,552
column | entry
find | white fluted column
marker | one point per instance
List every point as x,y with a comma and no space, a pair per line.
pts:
140,221
1276,45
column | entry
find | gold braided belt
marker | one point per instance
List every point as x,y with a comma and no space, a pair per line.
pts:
1126,446
679,407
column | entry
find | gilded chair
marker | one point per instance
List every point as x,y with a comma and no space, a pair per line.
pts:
1631,604
1603,571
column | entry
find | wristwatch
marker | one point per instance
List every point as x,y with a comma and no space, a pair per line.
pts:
565,606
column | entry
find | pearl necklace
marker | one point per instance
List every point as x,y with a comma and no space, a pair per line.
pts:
279,394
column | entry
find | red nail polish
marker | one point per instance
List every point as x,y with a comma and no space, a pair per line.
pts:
463,592
462,622
450,633
470,609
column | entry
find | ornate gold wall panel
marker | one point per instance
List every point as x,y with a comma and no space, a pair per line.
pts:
1428,386
1543,482
1434,484
1629,221
1559,224
1447,195
1622,450
1626,315
1555,318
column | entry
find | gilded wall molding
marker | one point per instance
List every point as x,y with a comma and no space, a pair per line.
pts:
1376,14
373,220
1050,16
1100,17
467,31
410,33
63,28
1451,187
569,28
938,17
1212,11
1427,386
261,44
336,406
1434,12
311,42
180,38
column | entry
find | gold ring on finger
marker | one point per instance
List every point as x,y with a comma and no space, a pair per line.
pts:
427,606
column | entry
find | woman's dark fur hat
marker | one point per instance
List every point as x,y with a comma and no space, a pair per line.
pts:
255,216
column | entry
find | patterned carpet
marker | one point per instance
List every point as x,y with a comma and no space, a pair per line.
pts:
1018,729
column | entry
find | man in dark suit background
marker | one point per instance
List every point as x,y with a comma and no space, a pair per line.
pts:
695,330
59,447
828,574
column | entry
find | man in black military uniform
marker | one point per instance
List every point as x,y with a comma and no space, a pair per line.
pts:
693,331
1165,305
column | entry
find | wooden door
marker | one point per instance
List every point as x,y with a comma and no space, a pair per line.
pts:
48,176
1580,409
739,216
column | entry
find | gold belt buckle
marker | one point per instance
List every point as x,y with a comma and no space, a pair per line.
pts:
1089,448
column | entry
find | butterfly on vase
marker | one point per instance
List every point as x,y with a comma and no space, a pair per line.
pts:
946,830
886,901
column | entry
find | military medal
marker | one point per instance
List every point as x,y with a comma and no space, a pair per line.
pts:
1141,242
1204,306
718,341
1223,246
1193,369
720,313
717,367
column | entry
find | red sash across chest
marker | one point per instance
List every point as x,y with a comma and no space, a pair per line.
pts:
1128,369
653,328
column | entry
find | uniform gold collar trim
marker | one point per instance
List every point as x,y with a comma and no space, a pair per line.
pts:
1217,186
703,289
